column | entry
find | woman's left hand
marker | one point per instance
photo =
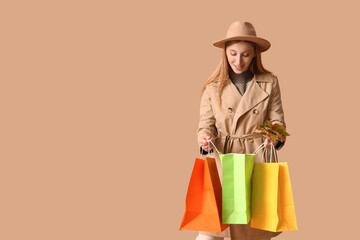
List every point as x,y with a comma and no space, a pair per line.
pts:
268,142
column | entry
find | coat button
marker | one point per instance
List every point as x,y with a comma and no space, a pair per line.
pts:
255,111
230,109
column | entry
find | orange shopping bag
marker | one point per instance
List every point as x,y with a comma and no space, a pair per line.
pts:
203,199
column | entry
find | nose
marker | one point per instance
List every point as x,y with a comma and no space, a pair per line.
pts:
238,61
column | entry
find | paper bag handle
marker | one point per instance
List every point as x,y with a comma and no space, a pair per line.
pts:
255,152
202,151
272,150
209,141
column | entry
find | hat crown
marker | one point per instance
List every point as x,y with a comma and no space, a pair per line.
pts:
245,31
240,29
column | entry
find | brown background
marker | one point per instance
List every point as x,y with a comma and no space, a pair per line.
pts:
100,106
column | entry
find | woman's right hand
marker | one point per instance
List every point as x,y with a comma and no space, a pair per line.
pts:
203,142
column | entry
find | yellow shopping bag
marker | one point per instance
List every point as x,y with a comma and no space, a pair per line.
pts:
272,205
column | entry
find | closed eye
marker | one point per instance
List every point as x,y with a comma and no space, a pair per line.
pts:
243,55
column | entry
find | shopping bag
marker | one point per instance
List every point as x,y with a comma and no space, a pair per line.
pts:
236,186
236,180
203,199
272,206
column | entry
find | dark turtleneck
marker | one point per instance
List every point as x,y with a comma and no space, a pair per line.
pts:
240,78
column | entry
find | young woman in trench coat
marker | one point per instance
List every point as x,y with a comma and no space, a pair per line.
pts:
229,118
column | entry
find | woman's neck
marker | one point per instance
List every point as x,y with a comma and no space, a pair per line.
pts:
241,77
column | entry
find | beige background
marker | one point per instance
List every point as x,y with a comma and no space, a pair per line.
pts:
100,106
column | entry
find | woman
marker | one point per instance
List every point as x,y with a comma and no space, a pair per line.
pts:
237,98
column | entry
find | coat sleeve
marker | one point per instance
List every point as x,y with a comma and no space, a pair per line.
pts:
207,119
275,110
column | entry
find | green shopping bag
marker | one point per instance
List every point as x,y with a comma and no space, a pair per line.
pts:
236,186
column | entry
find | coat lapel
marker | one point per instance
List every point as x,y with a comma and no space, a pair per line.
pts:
252,96
235,95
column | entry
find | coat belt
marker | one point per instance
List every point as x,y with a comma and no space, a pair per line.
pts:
229,139
248,135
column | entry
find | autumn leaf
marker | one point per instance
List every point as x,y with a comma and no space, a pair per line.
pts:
267,125
280,129
275,131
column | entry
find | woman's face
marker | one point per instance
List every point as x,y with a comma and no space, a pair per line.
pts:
239,56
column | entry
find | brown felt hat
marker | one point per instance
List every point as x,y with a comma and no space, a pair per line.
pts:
243,31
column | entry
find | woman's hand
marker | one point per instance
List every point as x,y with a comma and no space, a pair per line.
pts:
268,142
203,142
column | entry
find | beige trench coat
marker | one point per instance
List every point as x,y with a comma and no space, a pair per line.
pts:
232,127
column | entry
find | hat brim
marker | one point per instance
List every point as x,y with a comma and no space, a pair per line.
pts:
261,42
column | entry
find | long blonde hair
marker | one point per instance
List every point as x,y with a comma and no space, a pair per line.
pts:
221,73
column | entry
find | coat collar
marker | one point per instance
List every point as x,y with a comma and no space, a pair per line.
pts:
264,77
252,96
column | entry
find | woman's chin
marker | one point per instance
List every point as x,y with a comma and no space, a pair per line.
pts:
238,71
